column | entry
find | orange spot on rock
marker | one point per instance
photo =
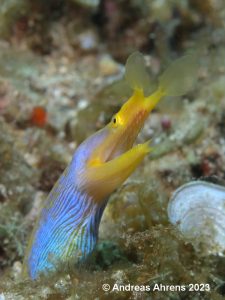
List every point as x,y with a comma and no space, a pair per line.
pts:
39,116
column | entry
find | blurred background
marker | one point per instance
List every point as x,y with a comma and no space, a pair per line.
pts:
61,79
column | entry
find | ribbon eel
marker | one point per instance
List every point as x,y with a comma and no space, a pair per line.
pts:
66,231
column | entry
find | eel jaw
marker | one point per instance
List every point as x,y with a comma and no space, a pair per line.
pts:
122,140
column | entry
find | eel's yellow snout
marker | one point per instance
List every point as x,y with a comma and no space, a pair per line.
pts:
115,158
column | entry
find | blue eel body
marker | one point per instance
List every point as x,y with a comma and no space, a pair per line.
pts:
67,229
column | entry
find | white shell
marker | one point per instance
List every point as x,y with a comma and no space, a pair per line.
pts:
198,210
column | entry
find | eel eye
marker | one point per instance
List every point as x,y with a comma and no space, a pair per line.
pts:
116,121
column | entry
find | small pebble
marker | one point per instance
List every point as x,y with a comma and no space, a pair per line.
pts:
108,66
88,40
166,123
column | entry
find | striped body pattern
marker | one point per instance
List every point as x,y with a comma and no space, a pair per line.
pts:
67,229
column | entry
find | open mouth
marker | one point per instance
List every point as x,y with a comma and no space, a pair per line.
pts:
127,139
